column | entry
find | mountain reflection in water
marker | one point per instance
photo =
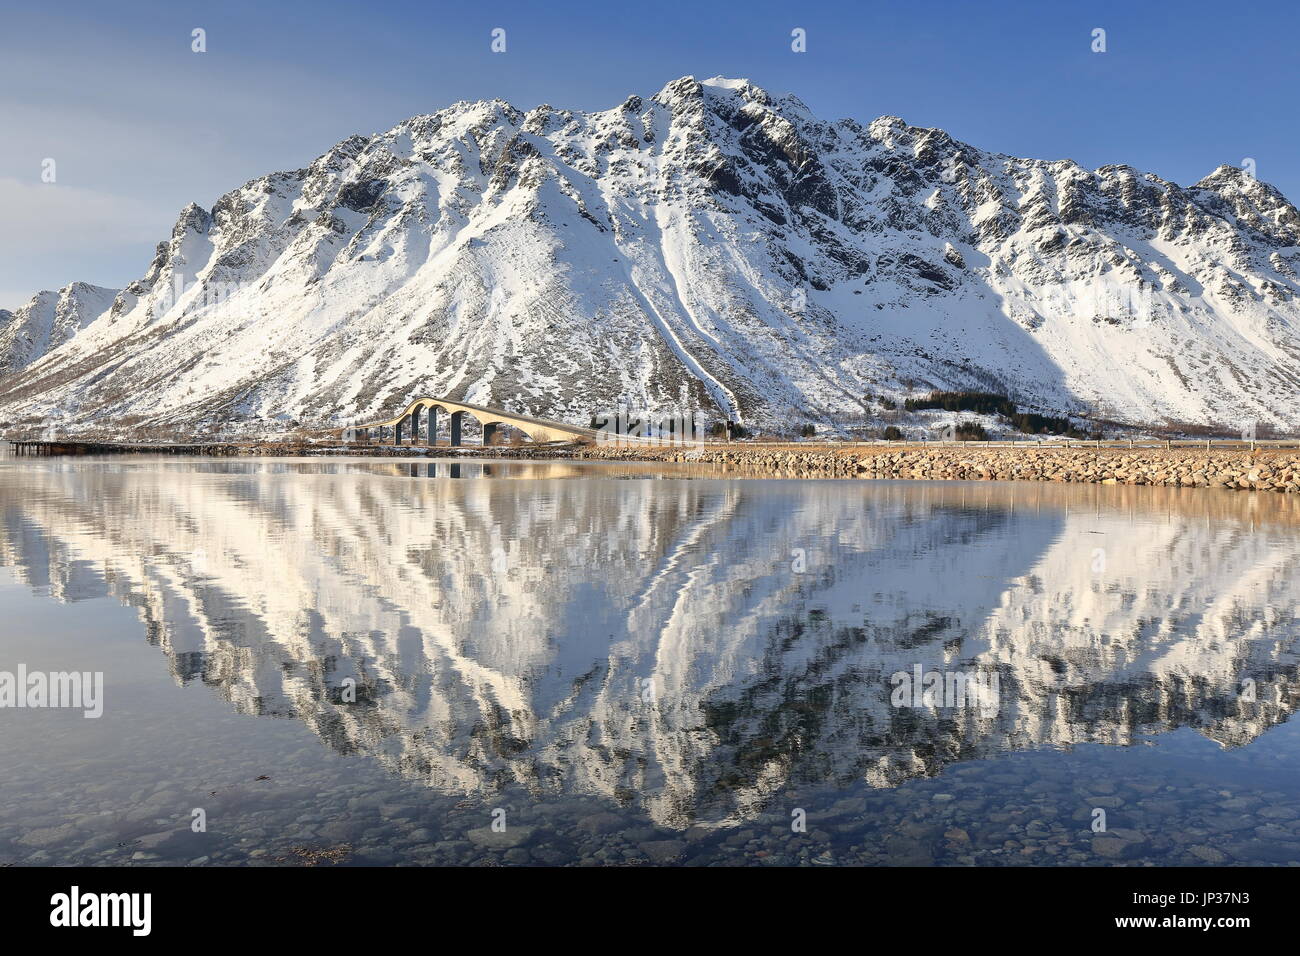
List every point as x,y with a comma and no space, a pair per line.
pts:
689,645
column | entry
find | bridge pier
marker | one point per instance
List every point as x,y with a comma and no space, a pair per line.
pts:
539,430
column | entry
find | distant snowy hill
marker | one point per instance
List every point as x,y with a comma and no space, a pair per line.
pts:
709,245
47,321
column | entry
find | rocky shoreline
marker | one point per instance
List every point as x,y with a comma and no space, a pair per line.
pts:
1264,469
1261,470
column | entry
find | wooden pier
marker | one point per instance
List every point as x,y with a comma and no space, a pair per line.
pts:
33,448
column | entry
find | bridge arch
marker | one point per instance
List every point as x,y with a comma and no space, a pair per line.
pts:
407,424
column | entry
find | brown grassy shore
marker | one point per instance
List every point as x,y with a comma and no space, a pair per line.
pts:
1263,469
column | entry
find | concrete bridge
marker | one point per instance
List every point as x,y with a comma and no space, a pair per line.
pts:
406,427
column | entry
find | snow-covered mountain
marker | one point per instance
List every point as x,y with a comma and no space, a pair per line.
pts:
47,321
709,244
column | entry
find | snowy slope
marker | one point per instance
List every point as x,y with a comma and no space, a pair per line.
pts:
709,245
47,321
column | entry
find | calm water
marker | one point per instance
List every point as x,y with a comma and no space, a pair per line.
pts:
370,662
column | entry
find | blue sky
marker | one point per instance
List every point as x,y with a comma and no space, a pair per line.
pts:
139,125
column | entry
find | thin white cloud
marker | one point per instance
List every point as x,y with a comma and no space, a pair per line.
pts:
55,234
48,217
115,131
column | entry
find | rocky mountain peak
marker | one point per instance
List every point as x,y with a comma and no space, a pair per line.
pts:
706,243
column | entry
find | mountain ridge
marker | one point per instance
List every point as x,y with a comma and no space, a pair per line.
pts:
708,246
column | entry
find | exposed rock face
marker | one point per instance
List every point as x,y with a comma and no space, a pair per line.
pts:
710,246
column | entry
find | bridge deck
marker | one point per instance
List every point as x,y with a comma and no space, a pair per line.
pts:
538,429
